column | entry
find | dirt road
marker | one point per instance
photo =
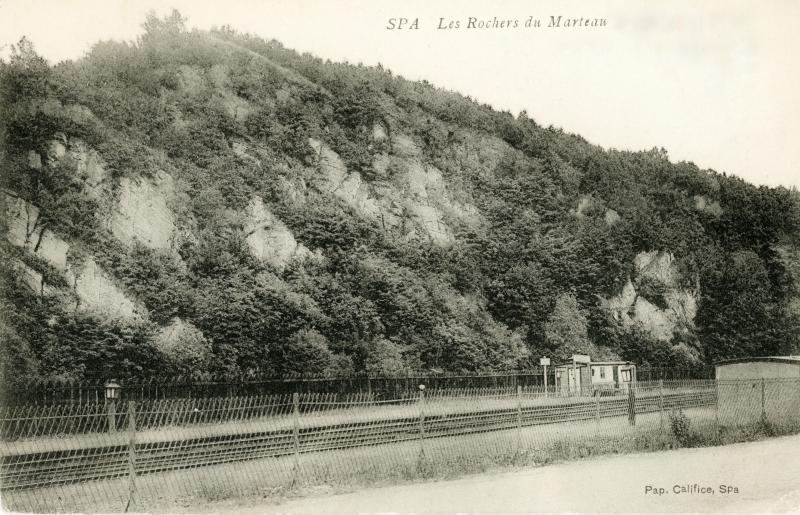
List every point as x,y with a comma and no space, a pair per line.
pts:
757,477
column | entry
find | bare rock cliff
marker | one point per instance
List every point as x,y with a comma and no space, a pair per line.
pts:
678,306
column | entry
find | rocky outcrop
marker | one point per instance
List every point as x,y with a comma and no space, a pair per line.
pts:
612,217
90,166
268,238
141,212
703,203
588,204
25,230
413,202
379,133
658,322
657,266
97,292
655,271
92,286
29,276
405,146
184,344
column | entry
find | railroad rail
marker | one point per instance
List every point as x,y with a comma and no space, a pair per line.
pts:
24,470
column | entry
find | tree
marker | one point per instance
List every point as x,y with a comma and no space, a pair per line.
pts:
386,359
565,330
304,352
27,74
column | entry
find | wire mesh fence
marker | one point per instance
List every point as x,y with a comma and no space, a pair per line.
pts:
155,455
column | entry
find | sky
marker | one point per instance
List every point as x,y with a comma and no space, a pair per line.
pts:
712,82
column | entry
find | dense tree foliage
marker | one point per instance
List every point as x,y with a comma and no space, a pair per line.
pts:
559,224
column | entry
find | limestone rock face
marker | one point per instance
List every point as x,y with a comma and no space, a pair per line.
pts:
656,321
630,308
25,231
30,277
703,203
56,148
21,218
379,133
97,292
331,165
405,146
583,206
34,160
624,300
416,202
142,213
657,266
90,165
268,238
92,286
612,217
184,343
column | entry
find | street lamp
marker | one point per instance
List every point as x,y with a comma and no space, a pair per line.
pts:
112,394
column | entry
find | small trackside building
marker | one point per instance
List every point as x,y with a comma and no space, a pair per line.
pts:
751,389
581,376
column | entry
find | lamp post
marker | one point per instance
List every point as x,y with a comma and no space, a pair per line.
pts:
112,394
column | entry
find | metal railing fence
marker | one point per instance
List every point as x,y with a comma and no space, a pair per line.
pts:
157,453
55,392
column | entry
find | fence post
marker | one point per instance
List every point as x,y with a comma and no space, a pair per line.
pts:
131,452
660,406
763,399
422,420
111,409
631,405
597,408
519,418
296,435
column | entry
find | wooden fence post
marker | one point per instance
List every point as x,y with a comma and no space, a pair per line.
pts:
131,452
660,406
763,399
519,418
631,405
422,420
296,435
597,408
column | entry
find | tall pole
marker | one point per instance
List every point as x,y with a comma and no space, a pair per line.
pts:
661,405
112,415
545,381
574,375
296,434
631,405
131,451
422,420
519,418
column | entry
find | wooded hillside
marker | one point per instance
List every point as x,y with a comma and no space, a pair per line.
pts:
212,201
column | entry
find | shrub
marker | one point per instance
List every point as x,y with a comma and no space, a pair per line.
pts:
680,426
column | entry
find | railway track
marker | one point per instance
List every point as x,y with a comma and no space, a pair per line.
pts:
93,463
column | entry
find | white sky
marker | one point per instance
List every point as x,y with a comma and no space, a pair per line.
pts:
714,82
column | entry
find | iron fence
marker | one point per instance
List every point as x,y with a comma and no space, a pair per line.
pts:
157,453
55,392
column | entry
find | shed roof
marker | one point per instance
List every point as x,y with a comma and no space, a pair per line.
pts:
794,360
569,363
